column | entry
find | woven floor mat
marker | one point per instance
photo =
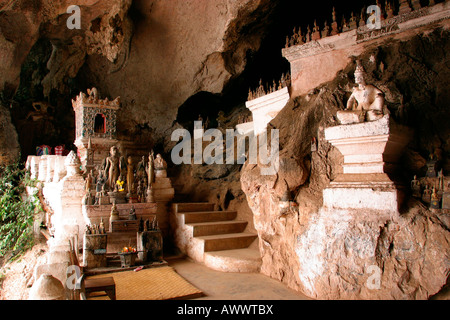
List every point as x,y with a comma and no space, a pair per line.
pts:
161,283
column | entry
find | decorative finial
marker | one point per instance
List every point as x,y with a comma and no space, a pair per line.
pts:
359,68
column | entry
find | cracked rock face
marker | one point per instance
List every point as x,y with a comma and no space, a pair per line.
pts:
24,22
179,48
166,50
357,254
104,29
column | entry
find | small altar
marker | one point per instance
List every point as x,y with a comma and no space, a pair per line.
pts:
124,233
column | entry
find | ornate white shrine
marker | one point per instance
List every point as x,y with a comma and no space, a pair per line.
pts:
95,121
266,108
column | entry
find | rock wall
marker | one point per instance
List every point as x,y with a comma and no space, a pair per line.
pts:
179,48
166,50
105,30
338,254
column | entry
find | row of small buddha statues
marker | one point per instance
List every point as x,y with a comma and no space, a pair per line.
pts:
119,180
146,225
96,229
433,189
143,226
387,12
262,90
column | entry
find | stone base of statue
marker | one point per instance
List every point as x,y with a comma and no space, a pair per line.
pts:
102,200
371,153
364,191
117,197
160,173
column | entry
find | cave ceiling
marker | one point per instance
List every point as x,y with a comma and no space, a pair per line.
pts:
169,61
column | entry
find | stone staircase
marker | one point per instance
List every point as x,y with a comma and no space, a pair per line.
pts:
215,238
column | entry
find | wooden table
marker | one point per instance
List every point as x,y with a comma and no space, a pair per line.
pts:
106,284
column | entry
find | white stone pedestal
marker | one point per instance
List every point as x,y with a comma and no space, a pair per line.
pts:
266,108
162,187
371,153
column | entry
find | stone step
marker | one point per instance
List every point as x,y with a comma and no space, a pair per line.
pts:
208,216
192,207
228,241
164,191
239,260
162,183
219,227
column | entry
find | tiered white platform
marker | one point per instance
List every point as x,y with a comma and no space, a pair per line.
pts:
371,153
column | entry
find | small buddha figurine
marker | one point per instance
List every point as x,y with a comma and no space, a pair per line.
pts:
326,30
308,34
431,167
130,175
140,171
334,25
316,32
366,102
88,182
434,203
101,228
426,197
151,168
415,187
119,184
141,191
114,213
132,214
113,167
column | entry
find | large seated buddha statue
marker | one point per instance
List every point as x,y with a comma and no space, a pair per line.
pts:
366,102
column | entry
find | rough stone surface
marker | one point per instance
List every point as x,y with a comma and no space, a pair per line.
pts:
9,143
339,248
334,254
179,48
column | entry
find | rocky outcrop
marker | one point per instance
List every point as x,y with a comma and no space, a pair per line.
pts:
102,31
357,254
9,143
179,48
105,29
166,51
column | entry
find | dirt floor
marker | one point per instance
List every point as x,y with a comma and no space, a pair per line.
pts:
232,286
